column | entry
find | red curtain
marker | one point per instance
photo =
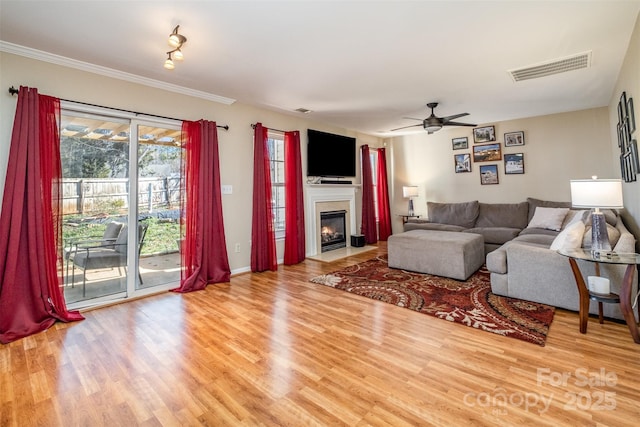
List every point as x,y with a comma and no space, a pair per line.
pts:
294,242
382,187
204,248
368,227
30,225
263,239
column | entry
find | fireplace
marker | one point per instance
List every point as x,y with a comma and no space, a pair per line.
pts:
326,198
333,230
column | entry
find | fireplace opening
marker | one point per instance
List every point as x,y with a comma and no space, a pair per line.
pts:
333,230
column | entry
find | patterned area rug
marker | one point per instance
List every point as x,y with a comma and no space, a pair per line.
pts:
470,302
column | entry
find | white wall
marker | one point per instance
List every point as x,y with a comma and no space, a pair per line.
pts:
629,82
236,145
557,148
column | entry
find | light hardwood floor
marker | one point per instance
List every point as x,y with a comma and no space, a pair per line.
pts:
275,349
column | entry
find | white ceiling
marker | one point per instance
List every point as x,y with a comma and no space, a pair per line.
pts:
361,65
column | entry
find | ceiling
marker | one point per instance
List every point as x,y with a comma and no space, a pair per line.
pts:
360,65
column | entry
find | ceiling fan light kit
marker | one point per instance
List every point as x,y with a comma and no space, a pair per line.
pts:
433,123
176,40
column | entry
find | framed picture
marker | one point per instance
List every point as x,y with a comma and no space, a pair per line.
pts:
460,143
462,162
631,117
513,138
622,106
484,134
487,153
488,174
635,159
513,163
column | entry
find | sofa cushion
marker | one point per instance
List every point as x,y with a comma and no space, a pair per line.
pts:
511,215
534,203
539,231
426,225
495,235
549,218
570,237
538,239
462,214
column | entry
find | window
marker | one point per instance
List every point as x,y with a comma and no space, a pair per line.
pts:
275,145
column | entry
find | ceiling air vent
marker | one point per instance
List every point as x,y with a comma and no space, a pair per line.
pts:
570,63
302,110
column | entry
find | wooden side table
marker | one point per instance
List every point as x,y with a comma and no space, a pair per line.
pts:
405,218
625,298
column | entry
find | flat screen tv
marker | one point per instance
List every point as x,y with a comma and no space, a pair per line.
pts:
330,155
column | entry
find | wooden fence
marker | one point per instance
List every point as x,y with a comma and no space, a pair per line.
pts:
95,195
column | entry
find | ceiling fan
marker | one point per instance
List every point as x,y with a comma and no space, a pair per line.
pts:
433,124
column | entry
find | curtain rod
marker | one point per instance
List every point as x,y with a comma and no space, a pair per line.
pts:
277,130
14,91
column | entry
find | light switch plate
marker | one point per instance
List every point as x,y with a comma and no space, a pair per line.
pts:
227,189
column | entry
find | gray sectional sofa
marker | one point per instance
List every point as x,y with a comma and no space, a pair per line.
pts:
518,253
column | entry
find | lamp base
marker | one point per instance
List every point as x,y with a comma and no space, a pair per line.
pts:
599,236
410,207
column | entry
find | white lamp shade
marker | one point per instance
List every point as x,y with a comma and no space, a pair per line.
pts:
596,193
410,191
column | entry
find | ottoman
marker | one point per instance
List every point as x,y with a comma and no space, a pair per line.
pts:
442,253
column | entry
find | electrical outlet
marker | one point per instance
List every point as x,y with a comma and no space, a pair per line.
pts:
237,247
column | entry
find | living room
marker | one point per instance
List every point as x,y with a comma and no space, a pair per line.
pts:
558,147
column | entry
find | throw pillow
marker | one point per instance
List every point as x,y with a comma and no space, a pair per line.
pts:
575,215
549,218
570,237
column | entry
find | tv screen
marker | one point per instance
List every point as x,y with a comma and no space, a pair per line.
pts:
330,155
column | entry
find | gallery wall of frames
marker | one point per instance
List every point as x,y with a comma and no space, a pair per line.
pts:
629,161
486,149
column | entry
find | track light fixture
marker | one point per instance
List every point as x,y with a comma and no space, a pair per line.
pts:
176,40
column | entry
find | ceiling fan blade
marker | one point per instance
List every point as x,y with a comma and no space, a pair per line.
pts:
455,116
458,124
412,118
404,127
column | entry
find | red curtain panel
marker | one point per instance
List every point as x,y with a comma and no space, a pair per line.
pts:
294,239
204,249
31,299
368,227
263,240
382,187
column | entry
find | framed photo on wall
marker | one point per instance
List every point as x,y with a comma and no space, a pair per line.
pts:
460,143
512,139
488,174
484,134
462,162
513,163
487,153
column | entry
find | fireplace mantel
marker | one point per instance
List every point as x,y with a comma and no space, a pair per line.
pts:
327,193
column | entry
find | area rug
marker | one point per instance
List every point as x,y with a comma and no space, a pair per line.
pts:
469,302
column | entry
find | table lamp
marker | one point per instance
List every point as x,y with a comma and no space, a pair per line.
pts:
597,193
408,192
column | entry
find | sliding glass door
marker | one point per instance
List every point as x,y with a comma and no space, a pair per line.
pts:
121,184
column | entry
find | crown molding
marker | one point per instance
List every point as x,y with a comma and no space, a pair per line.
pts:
108,72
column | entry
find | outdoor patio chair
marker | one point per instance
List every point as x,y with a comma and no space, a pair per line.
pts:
89,257
108,238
